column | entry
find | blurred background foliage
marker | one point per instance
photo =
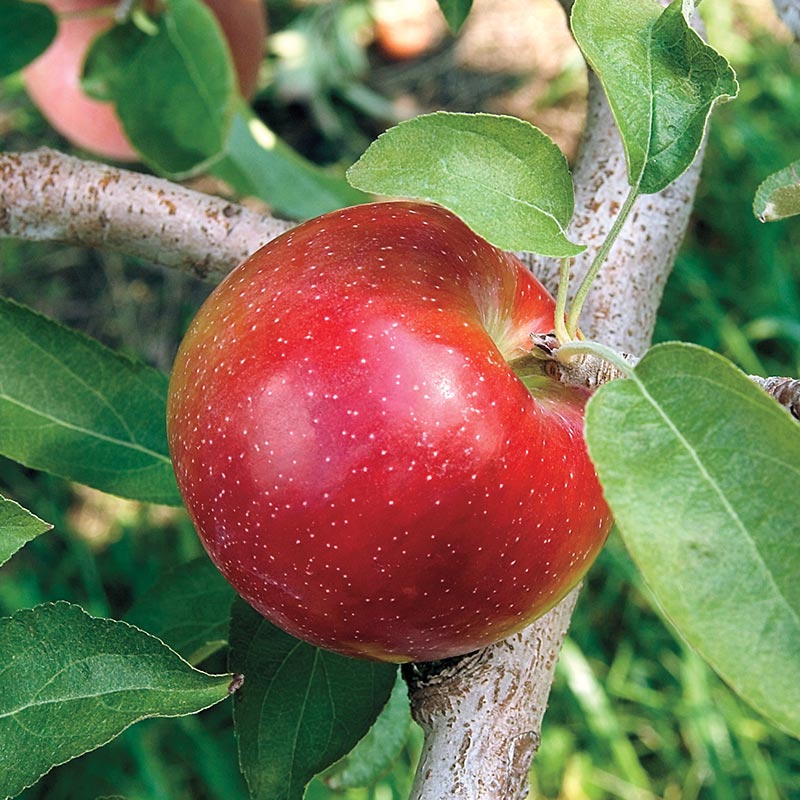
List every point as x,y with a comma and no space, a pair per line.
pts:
634,713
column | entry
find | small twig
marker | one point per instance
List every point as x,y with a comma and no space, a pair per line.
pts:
785,390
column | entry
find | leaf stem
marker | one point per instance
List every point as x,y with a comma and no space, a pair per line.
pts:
599,259
578,347
560,321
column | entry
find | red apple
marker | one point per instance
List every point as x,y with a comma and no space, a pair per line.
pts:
53,80
358,455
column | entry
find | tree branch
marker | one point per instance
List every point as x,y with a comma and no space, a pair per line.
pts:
789,12
48,196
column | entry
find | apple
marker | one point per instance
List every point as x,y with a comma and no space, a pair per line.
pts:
53,80
357,452
407,29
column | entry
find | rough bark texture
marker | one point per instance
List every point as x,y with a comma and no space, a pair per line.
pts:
785,390
45,195
482,714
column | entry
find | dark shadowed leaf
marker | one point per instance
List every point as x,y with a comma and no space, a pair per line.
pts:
70,683
455,12
189,609
26,30
71,407
505,178
701,469
300,708
377,752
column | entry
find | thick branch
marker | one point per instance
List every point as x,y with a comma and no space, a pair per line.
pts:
482,714
789,12
48,196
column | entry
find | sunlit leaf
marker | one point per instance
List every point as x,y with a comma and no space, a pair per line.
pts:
701,470
505,178
778,196
17,527
661,80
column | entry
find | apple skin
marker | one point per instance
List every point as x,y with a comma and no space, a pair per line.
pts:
53,80
358,457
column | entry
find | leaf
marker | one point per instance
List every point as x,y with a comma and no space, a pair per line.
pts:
69,683
26,31
108,59
455,12
661,80
17,527
300,709
174,89
778,196
71,407
701,470
189,608
376,753
256,162
505,178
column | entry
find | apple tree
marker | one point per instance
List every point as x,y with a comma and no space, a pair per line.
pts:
696,461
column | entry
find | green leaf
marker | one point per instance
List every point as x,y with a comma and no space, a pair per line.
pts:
660,78
26,31
108,59
256,162
69,683
455,12
376,753
505,178
189,608
778,196
300,709
174,89
701,469
71,407
17,527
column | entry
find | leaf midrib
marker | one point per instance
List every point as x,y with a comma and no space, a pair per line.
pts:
712,483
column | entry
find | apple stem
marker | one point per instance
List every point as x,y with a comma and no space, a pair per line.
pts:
599,259
560,321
